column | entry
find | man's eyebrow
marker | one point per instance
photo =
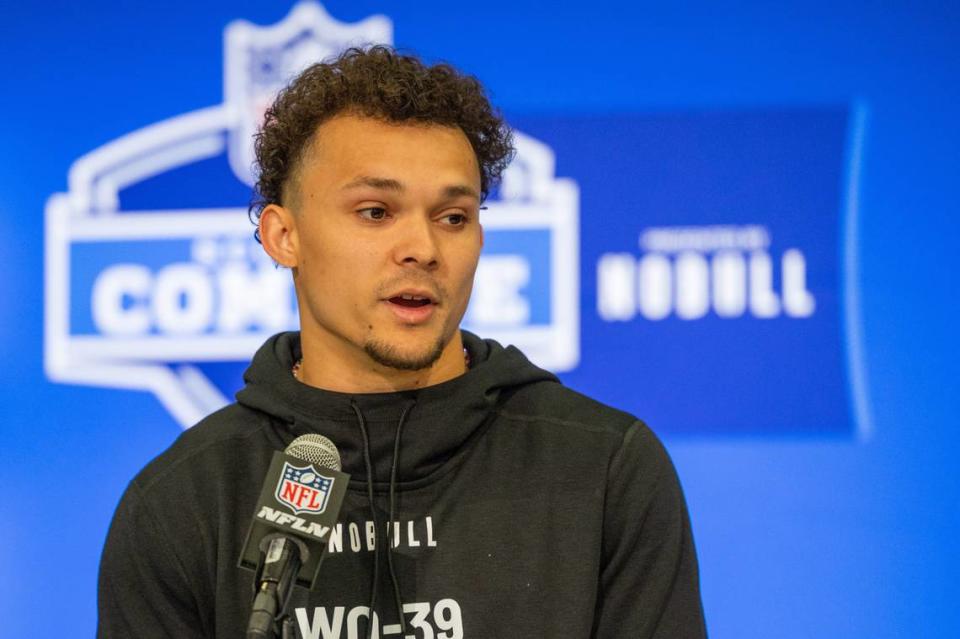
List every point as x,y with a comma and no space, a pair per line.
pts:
389,184
460,190
386,184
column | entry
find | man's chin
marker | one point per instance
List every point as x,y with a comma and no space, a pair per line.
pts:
404,359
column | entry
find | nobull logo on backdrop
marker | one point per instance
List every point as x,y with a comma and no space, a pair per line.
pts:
154,281
689,272
719,266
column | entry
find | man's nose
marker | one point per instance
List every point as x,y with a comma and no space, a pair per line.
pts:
416,242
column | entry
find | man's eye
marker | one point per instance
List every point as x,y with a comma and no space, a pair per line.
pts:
374,213
454,219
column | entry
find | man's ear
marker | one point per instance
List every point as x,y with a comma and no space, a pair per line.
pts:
278,235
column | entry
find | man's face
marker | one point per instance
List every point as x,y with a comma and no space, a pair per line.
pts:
387,239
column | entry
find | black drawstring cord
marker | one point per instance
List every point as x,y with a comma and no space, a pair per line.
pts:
393,509
373,515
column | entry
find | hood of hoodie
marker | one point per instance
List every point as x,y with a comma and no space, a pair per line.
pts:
440,420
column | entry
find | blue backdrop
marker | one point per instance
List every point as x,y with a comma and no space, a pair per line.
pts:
816,445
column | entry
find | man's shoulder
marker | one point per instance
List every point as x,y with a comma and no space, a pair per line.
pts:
559,419
552,403
214,445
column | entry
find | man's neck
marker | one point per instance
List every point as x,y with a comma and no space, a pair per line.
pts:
347,370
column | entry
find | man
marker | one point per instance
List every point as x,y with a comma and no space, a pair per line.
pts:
520,508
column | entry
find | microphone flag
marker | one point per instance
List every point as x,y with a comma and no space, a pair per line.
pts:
300,499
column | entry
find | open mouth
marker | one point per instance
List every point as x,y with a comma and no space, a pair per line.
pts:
410,301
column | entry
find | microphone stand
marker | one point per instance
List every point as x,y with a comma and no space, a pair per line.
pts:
288,630
274,582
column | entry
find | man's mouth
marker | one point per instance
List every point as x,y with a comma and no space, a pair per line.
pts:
410,301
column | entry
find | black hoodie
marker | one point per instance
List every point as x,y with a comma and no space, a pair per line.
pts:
521,509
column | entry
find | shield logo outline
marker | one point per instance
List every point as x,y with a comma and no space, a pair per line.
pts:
324,480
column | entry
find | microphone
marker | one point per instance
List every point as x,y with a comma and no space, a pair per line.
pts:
299,503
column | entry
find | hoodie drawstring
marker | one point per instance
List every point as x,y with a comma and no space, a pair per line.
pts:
393,511
373,513
375,578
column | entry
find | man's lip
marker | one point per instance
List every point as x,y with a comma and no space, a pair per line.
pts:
411,315
432,298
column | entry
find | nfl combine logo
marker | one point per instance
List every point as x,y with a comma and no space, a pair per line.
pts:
303,490
151,285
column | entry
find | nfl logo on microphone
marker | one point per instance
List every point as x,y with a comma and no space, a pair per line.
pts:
303,490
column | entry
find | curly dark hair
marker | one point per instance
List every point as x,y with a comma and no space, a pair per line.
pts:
381,83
